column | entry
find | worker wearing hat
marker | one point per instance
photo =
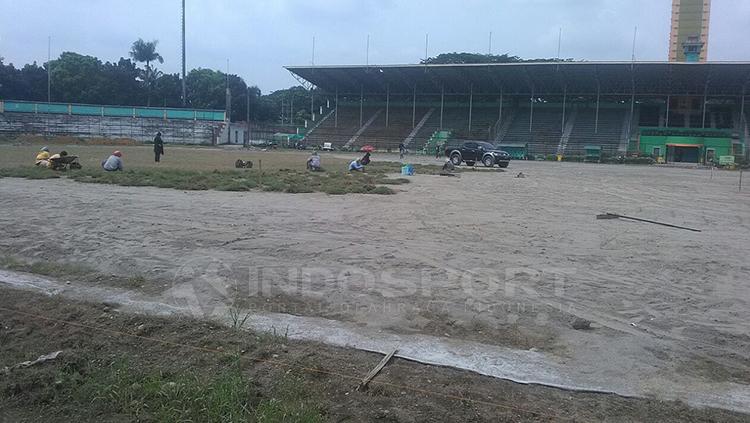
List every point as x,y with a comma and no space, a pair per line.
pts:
113,162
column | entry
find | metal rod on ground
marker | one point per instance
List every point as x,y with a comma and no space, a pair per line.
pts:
374,372
615,216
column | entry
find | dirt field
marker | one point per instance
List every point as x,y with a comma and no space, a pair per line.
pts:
481,257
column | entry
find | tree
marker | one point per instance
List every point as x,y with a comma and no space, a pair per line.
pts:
168,90
78,79
145,52
122,86
296,97
207,90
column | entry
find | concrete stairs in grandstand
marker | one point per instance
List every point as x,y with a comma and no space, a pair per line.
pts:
418,127
364,127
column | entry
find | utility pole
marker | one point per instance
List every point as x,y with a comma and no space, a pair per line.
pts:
367,51
49,69
229,96
184,90
489,49
247,118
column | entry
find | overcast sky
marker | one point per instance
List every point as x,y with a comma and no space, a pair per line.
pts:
259,37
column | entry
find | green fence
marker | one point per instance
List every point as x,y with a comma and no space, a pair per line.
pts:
110,111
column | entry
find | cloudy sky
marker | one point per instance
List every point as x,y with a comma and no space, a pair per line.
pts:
259,37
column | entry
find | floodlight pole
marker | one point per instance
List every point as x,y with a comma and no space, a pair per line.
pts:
336,110
184,89
426,44
247,112
471,103
49,69
367,51
666,118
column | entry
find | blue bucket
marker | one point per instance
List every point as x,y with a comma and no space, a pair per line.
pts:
407,170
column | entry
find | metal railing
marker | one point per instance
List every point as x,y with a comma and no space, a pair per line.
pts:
16,106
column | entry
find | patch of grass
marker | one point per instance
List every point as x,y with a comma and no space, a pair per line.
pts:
75,272
143,395
46,268
280,180
135,281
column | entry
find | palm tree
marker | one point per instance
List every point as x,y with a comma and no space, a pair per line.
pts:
145,51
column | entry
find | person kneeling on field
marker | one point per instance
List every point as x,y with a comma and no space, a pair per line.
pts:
313,163
356,166
113,162
42,158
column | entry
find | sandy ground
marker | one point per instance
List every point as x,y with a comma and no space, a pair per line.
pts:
482,257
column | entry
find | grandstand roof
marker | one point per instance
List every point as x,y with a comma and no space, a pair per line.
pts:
579,78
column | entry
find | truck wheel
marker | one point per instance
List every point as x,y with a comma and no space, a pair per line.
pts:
469,163
456,159
488,161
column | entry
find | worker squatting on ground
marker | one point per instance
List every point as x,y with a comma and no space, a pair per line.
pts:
42,158
356,166
158,147
313,163
113,162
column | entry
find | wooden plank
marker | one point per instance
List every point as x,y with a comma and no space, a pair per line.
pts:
374,372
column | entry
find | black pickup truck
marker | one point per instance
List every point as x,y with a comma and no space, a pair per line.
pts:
470,152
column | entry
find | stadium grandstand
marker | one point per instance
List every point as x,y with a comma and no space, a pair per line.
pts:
674,111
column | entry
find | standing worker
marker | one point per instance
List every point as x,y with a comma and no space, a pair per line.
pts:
437,150
401,150
158,147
